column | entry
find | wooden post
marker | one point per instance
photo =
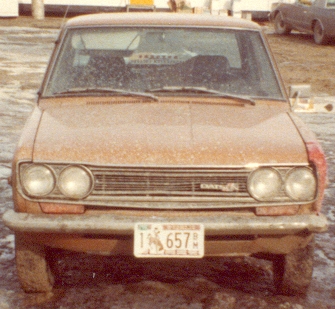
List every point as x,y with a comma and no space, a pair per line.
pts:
37,8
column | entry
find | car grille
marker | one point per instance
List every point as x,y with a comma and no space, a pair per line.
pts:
214,183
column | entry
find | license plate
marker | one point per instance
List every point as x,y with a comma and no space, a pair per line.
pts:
169,240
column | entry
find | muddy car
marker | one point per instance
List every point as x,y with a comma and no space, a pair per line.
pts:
161,135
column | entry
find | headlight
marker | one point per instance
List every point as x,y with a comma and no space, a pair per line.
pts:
300,184
75,182
264,184
38,180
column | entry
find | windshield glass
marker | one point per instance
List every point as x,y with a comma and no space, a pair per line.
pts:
149,59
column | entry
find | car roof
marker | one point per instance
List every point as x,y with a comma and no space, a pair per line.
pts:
161,19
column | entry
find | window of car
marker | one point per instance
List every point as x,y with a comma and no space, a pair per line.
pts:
149,58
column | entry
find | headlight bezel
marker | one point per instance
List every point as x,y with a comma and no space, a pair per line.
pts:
54,192
284,192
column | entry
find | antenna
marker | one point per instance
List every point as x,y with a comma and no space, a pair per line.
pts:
65,15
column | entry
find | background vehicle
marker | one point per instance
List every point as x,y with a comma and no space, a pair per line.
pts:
316,17
250,9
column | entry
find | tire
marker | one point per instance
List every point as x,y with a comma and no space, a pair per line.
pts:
32,266
280,26
292,273
319,34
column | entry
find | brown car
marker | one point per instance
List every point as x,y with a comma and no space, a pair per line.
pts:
164,135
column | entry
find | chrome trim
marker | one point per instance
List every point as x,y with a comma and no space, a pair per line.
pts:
220,224
249,166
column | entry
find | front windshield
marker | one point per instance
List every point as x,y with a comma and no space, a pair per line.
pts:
155,59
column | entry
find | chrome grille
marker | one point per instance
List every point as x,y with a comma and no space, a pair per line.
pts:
143,182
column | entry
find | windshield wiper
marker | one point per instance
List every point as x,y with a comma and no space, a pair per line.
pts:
204,90
79,90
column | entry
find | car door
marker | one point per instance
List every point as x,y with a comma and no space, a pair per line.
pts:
299,14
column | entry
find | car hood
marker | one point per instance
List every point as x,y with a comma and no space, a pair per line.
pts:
167,134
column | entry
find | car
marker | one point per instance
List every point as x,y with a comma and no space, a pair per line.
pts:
310,16
162,135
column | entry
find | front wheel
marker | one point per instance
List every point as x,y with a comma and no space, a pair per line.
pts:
292,272
280,26
32,266
319,34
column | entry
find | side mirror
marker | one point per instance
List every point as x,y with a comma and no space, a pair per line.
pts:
301,101
300,97
301,91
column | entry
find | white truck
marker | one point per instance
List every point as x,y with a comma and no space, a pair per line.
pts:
9,8
250,8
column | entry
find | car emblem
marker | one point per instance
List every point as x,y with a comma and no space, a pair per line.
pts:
229,187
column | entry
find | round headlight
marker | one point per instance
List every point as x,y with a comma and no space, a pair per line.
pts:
75,182
264,184
300,184
38,180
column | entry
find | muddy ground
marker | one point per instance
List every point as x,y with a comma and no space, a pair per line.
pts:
104,282
301,61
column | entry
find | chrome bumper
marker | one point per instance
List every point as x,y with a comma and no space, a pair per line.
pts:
106,224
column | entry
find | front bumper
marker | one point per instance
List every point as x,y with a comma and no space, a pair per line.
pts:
107,224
